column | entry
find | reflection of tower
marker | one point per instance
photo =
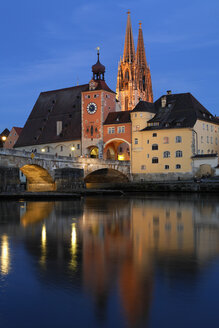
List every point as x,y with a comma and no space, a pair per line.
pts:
134,78
97,102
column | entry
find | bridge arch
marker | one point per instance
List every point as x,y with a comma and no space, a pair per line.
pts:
117,149
102,177
38,178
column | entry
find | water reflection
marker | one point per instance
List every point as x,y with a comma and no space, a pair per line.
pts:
5,255
43,246
73,262
102,246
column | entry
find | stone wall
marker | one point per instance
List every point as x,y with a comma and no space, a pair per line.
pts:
171,176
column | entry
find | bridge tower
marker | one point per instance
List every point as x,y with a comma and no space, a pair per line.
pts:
97,102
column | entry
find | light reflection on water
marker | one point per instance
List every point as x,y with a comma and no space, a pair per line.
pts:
122,262
5,255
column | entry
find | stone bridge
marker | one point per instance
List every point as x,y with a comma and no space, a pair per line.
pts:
50,172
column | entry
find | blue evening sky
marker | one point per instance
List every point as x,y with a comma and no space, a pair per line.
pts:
47,45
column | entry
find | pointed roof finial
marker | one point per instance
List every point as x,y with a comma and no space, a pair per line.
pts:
98,52
128,12
140,23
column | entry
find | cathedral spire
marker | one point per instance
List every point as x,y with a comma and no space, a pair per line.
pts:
129,48
140,54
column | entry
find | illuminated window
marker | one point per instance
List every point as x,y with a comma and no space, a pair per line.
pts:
155,147
166,140
154,160
178,139
179,153
166,154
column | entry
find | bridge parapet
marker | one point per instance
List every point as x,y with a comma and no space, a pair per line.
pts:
19,158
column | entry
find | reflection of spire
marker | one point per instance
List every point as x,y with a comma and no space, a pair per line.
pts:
5,256
129,48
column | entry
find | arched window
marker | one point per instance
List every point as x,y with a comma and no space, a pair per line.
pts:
154,160
166,140
178,139
126,103
127,75
166,154
178,166
179,153
155,147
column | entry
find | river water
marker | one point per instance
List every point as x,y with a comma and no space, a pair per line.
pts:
137,261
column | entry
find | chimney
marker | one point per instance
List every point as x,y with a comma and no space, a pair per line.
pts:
169,92
163,101
58,127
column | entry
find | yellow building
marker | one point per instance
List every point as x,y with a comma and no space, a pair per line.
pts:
175,137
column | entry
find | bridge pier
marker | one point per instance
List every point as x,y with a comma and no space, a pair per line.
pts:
68,179
9,179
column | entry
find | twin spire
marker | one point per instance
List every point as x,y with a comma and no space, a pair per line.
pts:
129,48
134,77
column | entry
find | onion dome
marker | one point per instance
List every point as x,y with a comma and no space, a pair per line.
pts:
98,69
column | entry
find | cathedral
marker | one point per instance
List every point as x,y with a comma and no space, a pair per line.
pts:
173,137
134,77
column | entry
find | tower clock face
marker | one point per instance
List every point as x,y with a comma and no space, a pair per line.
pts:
91,108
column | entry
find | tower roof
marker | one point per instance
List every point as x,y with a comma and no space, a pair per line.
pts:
140,54
129,48
98,69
